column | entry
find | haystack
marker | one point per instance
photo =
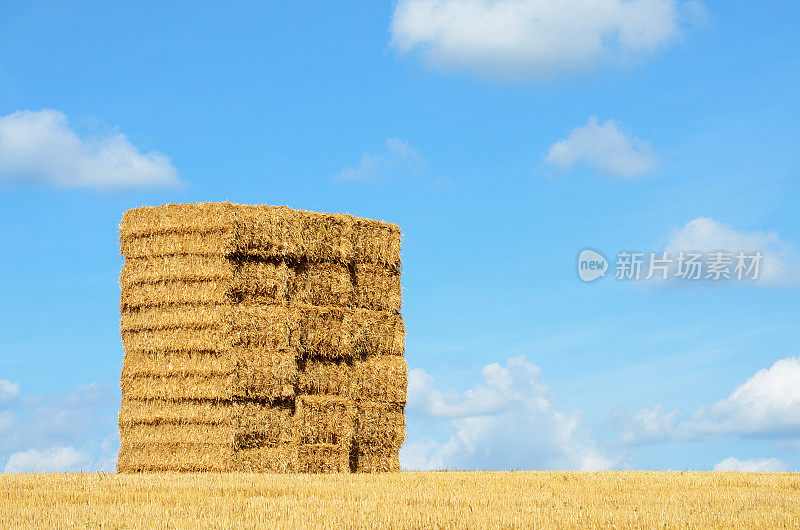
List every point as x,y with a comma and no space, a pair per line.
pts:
260,338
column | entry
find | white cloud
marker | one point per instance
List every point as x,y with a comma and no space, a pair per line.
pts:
605,148
644,426
753,464
40,146
400,158
76,429
780,264
767,405
507,421
530,38
54,459
8,390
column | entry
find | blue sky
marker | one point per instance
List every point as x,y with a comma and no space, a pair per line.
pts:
677,124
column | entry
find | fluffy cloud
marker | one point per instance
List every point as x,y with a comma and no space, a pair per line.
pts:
507,421
767,405
41,147
54,459
8,390
605,148
400,158
753,464
70,431
779,266
644,426
526,38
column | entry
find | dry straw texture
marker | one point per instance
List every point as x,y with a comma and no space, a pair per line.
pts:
260,339
402,500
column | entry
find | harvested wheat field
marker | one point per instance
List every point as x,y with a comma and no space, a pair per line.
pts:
434,499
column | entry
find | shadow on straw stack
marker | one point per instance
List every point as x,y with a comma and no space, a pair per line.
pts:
260,338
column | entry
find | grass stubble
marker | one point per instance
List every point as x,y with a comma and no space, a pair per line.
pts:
504,499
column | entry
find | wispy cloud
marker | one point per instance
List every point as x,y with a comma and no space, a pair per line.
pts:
780,265
40,147
750,465
399,159
767,406
534,38
8,390
75,430
506,421
54,459
605,148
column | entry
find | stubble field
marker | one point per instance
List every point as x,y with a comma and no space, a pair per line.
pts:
407,499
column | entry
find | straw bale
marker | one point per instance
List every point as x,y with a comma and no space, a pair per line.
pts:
376,288
252,371
334,332
264,231
268,232
199,217
331,332
258,277
262,280
325,284
279,459
177,387
328,237
323,458
376,460
171,433
137,362
325,420
187,316
259,424
362,285
380,378
176,292
182,267
177,340
240,424
262,373
173,457
213,243
154,411
379,425
270,326
189,279
378,241
277,428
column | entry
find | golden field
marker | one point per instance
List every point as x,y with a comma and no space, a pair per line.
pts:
523,499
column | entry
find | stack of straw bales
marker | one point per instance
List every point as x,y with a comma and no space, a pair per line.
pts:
260,338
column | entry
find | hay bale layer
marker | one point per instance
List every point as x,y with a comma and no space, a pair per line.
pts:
174,457
371,460
325,420
260,339
380,378
189,278
380,426
330,332
262,231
